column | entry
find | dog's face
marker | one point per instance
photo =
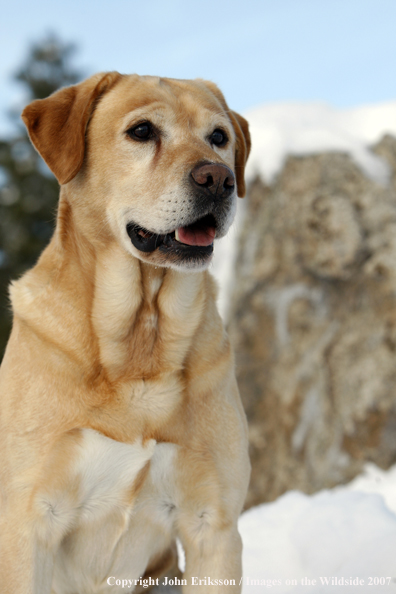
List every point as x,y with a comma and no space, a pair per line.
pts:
161,164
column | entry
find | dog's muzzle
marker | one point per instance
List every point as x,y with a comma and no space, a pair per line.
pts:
212,186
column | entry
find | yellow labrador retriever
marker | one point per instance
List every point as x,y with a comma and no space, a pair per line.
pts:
121,426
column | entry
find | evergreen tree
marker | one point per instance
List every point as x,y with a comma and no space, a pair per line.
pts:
28,190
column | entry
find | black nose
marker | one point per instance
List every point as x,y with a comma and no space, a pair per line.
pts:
217,179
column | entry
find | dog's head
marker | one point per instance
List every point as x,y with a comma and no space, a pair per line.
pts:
155,163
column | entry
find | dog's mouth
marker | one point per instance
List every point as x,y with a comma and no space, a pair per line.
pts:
194,239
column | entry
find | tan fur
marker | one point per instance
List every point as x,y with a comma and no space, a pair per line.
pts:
121,426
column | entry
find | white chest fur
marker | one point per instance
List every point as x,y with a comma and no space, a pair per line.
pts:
98,524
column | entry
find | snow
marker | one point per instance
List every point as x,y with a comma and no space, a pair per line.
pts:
378,481
283,129
346,533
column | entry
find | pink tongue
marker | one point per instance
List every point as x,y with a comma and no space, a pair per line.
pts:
202,237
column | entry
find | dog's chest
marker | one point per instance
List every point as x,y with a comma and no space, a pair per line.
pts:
114,492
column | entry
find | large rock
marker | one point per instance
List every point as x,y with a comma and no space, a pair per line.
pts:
313,323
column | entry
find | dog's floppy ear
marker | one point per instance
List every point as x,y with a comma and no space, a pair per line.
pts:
243,142
242,150
57,124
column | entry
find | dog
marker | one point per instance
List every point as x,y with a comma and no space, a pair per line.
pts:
121,425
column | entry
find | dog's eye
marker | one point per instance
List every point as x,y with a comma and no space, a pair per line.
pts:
143,131
219,138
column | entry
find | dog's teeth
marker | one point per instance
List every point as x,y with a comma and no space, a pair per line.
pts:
177,235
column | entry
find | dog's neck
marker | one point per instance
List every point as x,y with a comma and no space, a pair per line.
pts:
108,310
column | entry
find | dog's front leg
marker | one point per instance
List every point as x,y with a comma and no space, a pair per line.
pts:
213,557
211,490
26,565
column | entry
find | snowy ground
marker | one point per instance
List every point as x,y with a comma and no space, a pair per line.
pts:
297,542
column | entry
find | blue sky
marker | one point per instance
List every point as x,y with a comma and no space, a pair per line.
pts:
342,52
